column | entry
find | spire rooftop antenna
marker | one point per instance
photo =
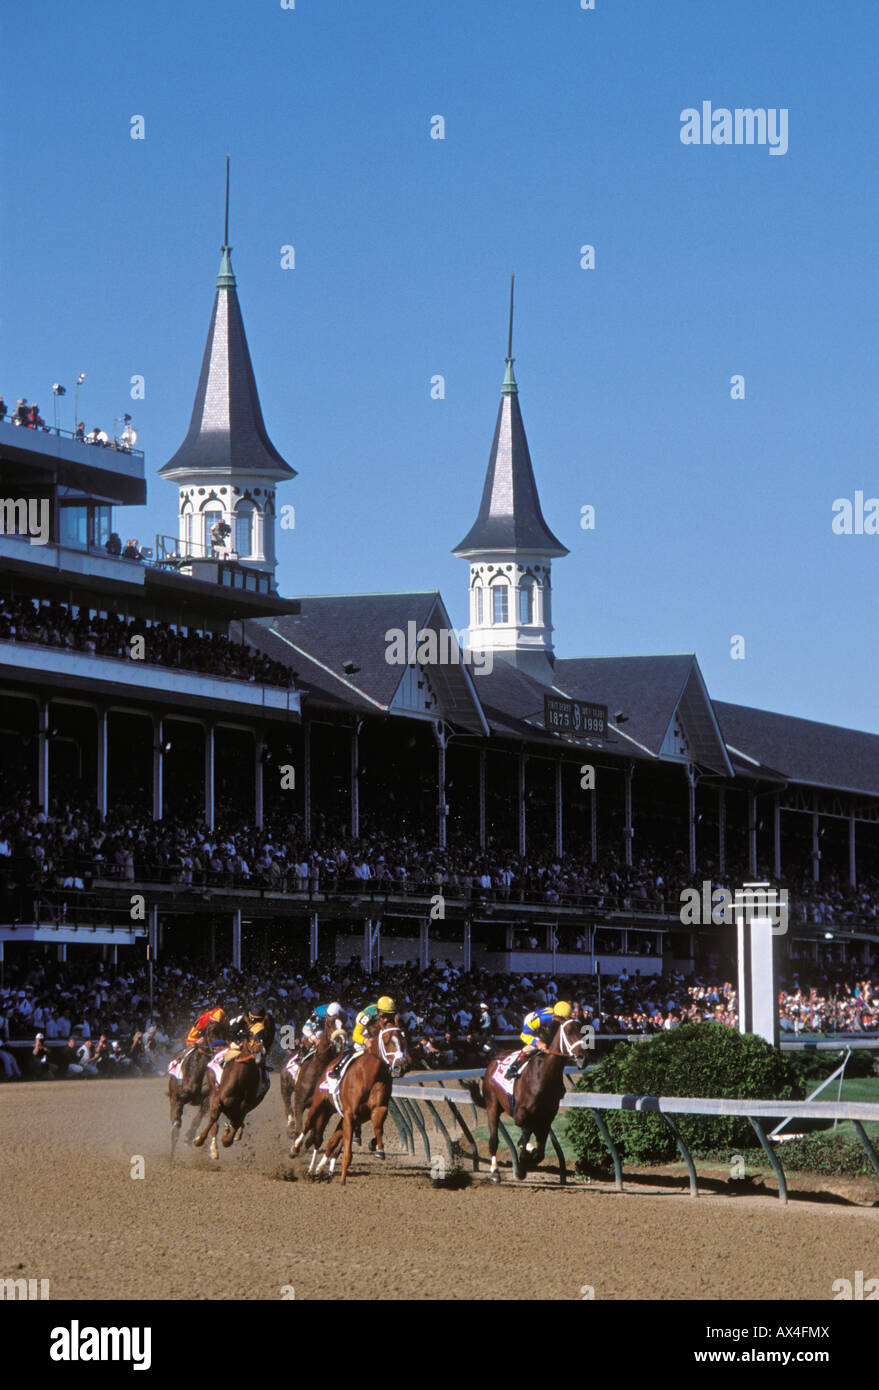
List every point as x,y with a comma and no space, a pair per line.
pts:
510,334
226,236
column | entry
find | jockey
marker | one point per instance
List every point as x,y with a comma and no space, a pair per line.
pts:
383,1009
535,1030
315,1024
197,1031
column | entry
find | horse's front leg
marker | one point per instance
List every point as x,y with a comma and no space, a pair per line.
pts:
493,1111
378,1117
347,1136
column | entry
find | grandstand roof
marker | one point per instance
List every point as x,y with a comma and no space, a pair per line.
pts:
819,755
653,692
226,433
353,629
509,516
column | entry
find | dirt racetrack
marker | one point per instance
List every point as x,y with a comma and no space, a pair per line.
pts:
73,1214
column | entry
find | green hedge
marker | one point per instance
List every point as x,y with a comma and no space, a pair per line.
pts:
831,1153
698,1059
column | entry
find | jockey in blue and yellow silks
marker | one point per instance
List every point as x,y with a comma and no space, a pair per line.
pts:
536,1024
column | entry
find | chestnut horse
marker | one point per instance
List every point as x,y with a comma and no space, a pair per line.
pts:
297,1095
364,1092
537,1091
194,1089
236,1095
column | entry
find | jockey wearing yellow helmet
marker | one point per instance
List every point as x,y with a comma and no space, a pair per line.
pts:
535,1032
383,1008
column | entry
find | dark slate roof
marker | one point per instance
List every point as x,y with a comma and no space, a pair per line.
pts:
509,517
646,688
513,704
226,432
819,755
332,630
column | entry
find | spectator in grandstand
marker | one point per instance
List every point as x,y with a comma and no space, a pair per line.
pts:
11,1069
80,431
2,409
114,544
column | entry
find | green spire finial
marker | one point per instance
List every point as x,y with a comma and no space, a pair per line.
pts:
226,277
509,387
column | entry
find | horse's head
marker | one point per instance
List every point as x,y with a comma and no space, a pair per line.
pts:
568,1040
392,1047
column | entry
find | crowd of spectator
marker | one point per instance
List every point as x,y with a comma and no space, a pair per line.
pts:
59,625
451,1018
73,846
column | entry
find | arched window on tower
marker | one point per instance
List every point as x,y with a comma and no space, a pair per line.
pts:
244,517
500,603
526,600
480,605
186,525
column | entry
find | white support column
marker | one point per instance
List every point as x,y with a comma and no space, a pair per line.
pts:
306,779
312,938
630,772
102,762
424,944
559,827
158,768
776,836
355,778
816,848
721,830
468,944
43,730
852,854
236,939
593,823
439,733
520,807
483,781
209,776
259,782
691,817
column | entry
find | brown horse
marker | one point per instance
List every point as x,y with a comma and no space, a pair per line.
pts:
297,1095
364,1092
537,1091
238,1092
194,1088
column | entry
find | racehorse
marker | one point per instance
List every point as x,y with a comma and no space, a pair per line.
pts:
238,1092
194,1088
537,1091
363,1094
297,1095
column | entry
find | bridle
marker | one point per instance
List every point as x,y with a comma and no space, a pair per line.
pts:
395,1056
568,1049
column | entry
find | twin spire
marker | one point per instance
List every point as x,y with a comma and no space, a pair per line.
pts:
510,519
226,433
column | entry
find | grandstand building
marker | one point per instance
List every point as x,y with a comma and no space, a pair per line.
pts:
382,724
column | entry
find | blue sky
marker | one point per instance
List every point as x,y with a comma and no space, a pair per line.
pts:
713,516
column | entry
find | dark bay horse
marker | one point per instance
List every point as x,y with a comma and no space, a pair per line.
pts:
364,1092
297,1095
239,1091
537,1091
194,1088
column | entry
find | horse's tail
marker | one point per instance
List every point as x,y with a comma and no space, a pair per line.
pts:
477,1094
